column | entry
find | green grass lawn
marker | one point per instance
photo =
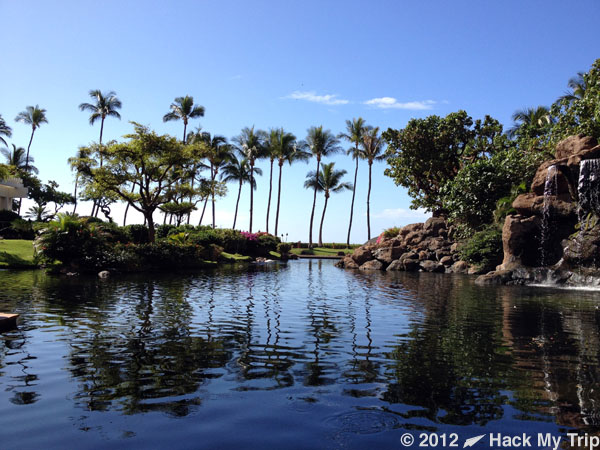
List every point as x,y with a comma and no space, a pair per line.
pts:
16,253
319,251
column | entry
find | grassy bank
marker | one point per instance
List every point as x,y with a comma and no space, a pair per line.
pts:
320,251
16,254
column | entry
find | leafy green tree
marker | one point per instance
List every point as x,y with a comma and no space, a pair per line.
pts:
328,180
183,109
251,145
355,130
80,164
145,161
427,153
287,149
17,159
238,170
532,128
372,149
44,194
321,143
5,130
580,112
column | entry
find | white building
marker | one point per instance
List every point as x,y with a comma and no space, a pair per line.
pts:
10,189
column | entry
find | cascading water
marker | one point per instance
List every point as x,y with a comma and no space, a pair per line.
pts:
550,190
588,190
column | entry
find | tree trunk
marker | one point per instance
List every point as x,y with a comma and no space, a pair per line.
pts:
150,221
368,204
184,129
352,204
26,164
278,199
251,192
127,207
191,196
75,192
270,190
236,204
212,194
203,209
323,220
312,213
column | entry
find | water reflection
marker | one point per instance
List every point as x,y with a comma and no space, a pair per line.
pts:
405,350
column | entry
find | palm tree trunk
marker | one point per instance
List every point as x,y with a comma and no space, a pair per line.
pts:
203,209
75,192
352,204
184,129
251,192
26,164
270,190
212,194
312,213
323,220
191,196
278,199
368,204
236,204
127,207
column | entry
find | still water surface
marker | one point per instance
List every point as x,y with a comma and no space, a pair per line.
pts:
302,355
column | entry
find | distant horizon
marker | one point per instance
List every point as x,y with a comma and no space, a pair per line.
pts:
289,65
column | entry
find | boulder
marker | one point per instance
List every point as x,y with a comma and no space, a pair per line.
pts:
394,266
520,241
432,266
409,255
388,254
447,260
562,182
410,265
531,204
414,238
460,267
592,153
348,263
372,265
362,254
434,225
104,274
574,145
493,278
406,230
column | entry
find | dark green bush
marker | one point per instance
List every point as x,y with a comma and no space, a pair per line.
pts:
136,233
283,248
162,231
484,248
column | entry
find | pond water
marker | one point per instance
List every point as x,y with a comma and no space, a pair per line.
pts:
302,355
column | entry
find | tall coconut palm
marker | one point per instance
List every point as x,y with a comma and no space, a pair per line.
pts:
79,163
16,158
286,150
5,130
106,105
355,130
538,118
33,116
217,152
321,143
328,180
183,108
238,170
251,145
372,150
577,86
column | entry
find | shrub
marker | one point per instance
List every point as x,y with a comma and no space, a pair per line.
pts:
162,255
136,233
283,248
484,248
8,216
162,231
232,241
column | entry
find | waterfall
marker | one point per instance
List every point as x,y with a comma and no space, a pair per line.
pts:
588,189
550,190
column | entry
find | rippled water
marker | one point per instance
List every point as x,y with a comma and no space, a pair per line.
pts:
302,355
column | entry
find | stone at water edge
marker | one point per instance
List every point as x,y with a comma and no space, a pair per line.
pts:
432,266
395,266
361,255
493,278
372,265
104,274
459,267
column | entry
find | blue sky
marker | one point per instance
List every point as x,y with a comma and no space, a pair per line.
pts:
290,64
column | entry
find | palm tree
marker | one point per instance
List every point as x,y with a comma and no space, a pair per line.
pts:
251,146
537,118
577,86
217,152
327,180
35,117
238,170
286,150
372,149
5,130
16,158
355,129
106,106
79,163
321,143
183,108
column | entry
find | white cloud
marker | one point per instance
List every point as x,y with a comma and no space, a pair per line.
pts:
311,96
392,103
402,213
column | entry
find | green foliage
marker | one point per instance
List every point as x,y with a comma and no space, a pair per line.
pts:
579,112
136,233
504,205
428,153
472,195
162,255
484,248
283,248
391,232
